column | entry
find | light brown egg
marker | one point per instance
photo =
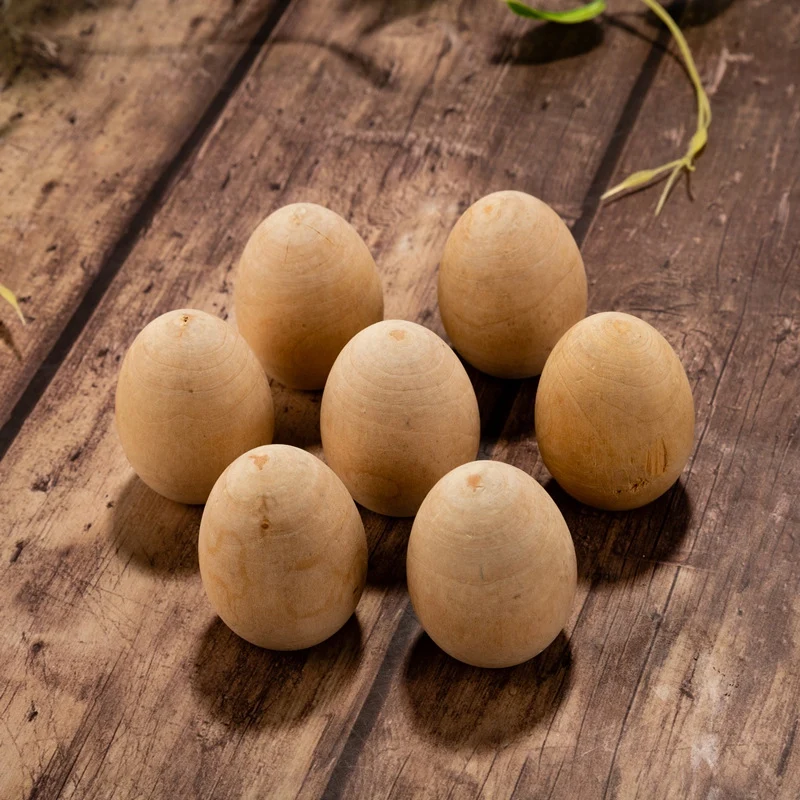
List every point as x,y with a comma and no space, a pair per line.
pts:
398,412
191,397
491,565
283,554
614,412
511,282
306,285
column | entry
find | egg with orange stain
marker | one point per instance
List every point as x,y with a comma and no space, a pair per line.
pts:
398,412
282,549
491,565
191,397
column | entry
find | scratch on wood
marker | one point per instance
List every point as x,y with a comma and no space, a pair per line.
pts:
17,551
725,58
787,750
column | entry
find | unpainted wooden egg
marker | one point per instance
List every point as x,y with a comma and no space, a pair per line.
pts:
491,565
511,282
398,412
282,549
191,397
614,412
306,285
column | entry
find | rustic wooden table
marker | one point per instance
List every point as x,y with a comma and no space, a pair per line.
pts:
132,175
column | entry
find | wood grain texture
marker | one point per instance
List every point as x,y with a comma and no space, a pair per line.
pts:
82,148
330,270
398,119
282,549
117,677
678,677
398,413
615,415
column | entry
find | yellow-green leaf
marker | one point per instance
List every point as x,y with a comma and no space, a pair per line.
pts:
581,14
11,298
641,178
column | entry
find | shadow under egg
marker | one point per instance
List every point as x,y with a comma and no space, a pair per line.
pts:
154,533
460,705
246,686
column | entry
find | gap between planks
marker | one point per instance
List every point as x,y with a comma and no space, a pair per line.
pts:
138,224
408,626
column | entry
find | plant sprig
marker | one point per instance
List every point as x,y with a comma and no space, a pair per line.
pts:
11,299
698,140
700,137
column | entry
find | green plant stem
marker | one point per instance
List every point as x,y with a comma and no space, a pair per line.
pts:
698,140
700,137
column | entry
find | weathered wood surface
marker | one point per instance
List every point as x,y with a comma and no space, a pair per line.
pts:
676,675
87,144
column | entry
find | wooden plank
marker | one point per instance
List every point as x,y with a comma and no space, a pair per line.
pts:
397,117
83,148
678,677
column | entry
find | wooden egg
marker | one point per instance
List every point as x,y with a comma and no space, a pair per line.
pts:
491,565
191,397
306,285
398,412
614,412
283,554
511,282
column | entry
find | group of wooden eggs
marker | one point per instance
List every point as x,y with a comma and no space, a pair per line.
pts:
491,565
